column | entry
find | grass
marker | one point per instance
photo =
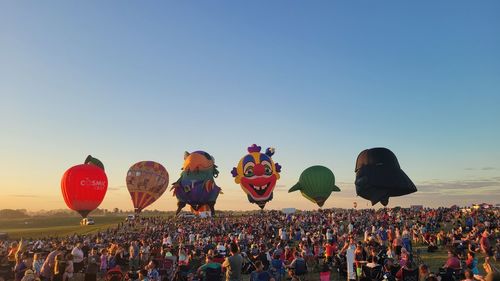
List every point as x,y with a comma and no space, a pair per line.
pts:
37,227
437,259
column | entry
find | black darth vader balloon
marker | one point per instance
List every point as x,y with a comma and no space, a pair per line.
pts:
379,176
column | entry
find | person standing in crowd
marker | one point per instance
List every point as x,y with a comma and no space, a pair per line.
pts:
277,267
233,264
103,261
69,269
144,252
77,259
23,263
485,244
37,264
48,267
59,267
134,255
298,265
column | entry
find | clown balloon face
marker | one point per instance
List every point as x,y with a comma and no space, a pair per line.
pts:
257,175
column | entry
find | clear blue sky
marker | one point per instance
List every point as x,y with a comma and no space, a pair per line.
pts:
321,81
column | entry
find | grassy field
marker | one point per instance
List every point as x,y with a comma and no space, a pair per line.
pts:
36,227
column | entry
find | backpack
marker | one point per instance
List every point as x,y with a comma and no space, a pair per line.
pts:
213,274
277,269
300,267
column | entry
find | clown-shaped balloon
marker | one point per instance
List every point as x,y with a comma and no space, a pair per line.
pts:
196,186
257,175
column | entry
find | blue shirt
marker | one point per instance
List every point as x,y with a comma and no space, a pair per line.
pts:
153,274
260,276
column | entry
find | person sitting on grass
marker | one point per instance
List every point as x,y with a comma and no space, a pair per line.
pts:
29,275
452,262
293,276
469,276
209,268
423,272
388,269
471,263
153,274
143,275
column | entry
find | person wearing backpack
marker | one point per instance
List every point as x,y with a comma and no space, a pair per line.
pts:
299,265
277,267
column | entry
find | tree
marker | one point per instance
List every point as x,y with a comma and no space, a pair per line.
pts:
10,213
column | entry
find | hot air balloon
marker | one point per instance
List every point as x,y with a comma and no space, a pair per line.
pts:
196,186
146,182
355,204
257,175
379,176
84,187
316,183
201,210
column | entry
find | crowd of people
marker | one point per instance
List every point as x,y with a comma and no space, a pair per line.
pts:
264,246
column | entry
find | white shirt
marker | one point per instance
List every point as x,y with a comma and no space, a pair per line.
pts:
351,275
77,255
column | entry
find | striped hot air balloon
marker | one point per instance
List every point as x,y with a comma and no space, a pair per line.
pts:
316,183
146,182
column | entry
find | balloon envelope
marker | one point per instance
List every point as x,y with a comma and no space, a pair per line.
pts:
196,185
146,182
84,187
203,208
316,183
257,175
379,176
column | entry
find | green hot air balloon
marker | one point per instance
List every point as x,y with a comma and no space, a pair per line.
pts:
94,161
316,183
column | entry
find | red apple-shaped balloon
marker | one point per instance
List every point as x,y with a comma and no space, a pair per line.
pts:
84,187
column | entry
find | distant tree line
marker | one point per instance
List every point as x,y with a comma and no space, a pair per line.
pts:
12,214
23,213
